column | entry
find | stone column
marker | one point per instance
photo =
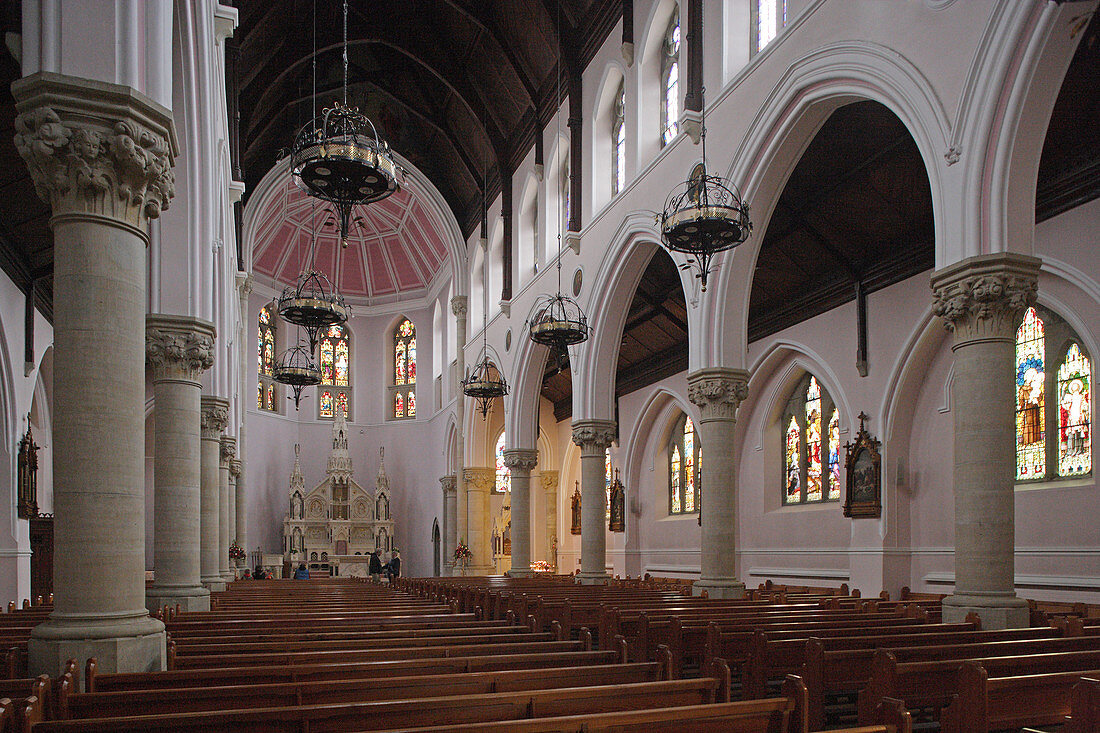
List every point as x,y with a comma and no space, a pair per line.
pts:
550,487
520,461
225,525
980,300
236,469
458,307
179,349
450,539
593,437
479,484
215,416
101,155
718,391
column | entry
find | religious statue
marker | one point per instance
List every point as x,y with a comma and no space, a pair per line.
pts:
28,475
575,528
617,521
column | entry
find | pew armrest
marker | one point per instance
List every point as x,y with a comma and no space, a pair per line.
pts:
794,689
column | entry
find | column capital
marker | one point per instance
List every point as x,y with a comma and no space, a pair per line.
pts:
244,283
95,148
479,479
178,348
718,392
459,305
549,481
593,436
228,450
215,416
234,467
981,298
522,458
449,484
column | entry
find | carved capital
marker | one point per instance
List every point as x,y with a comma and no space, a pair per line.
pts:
228,450
459,305
178,347
593,436
521,458
549,481
244,284
718,392
448,484
214,417
95,148
479,479
234,468
981,298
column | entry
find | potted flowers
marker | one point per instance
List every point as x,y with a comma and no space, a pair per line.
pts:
462,556
236,554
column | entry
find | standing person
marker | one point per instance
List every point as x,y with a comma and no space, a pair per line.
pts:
302,573
259,573
375,567
395,566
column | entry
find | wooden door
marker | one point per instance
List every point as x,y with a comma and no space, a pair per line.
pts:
41,556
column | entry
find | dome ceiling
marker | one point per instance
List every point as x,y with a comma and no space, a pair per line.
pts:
395,247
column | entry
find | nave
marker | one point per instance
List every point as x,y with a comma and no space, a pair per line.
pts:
544,654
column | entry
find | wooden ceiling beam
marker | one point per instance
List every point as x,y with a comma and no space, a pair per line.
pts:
476,15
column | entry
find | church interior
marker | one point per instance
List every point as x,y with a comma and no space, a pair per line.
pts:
709,303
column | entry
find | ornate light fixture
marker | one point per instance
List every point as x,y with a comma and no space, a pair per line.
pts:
314,304
485,383
558,320
704,215
338,156
295,368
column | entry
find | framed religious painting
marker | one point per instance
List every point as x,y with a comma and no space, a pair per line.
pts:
864,467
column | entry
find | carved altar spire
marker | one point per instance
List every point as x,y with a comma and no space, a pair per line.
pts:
297,481
339,461
383,481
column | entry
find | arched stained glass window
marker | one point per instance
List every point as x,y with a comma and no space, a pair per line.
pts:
266,353
404,369
618,141
670,81
1074,414
807,438
684,462
335,360
1053,436
566,203
327,403
771,15
504,475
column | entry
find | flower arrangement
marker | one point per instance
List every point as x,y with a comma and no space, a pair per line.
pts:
236,552
462,552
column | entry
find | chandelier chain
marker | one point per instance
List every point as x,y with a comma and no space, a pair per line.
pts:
345,53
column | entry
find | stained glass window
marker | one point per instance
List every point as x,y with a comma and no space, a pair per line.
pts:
1074,414
404,367
771,15
811,446
342,402
504,475
618,141
398,405
1030,378
271,397
326,403
834,455
266,345
260,396
334,356
670,81
684,468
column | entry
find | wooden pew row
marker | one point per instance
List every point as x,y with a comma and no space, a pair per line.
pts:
213,676
930,678
184,624
842,666
199,636
1084,715
984,704
229,697
257,646
382,715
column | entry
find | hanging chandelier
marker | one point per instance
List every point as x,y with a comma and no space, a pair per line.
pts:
485,384
338,156
295,368
558,321
704,215
314,304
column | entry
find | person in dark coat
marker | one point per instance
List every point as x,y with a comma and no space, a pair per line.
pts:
375,567
302,573
393,567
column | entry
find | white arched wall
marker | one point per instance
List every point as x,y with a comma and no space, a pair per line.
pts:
554,222
647,110
809,91
476,308
600,143
525,235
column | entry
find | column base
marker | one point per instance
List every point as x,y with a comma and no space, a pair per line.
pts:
996,612
215,584
229,575
592,578
729,589
516,573
128,644
188,598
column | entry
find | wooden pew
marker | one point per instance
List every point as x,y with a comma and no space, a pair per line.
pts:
418,712
985,704
1084,714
